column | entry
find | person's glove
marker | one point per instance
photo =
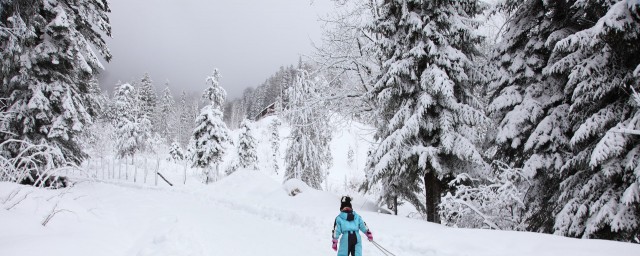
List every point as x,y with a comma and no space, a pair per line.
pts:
369,235
334,246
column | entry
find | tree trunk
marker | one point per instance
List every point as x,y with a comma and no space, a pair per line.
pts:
395,205
432,193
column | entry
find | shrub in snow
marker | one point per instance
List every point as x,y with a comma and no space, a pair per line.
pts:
42,179
494,202
295,187
36,164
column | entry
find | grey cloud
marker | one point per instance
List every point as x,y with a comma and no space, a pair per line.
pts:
182,41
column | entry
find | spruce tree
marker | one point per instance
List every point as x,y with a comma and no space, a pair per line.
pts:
426,127
184,120
175,152
48,70
147,96
167,115
530,108
274,131
208,140
600,189
533,100
247,147
132,126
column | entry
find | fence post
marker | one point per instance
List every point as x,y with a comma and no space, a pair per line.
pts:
102,166
135,172
145,170
119,169
126,169
185,172
156,176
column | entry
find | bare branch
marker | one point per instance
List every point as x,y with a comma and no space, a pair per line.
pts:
18,201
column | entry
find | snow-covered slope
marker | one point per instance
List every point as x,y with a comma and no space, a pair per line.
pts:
247,213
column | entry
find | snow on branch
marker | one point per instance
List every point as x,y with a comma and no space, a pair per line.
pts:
494,201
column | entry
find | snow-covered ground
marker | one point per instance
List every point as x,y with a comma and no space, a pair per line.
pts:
247,213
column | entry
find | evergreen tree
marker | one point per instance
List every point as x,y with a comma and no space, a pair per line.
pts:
274,127
147,97
247,147
529,108
308,155
600,189
131,127
532,102
184,120
175,152
166,115
426,127
48,70
211,133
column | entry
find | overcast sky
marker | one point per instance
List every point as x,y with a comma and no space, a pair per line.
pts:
183,40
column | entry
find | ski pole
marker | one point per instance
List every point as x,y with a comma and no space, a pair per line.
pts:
382,249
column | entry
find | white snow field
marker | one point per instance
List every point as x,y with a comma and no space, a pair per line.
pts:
247,213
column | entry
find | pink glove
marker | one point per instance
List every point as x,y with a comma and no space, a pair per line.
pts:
334,246
369,235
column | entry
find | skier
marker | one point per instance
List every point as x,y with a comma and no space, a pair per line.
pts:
346,228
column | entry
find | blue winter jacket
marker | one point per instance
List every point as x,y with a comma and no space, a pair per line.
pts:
345,228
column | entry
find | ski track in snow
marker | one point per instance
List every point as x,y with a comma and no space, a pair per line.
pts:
214,226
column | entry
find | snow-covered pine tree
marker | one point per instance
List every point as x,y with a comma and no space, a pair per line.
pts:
147,97
426,127
247,152
308,155
132,128
175,152
167,115
184,120
274,130
529,107
258,102
600,190
48,69
211,133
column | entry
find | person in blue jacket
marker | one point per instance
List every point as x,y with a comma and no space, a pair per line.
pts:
346,227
